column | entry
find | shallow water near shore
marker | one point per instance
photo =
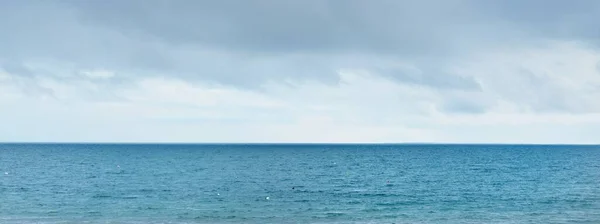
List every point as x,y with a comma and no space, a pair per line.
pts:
226,183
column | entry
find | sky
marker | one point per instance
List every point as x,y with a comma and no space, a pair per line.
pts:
319,71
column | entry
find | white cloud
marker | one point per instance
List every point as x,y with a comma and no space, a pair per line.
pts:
98,74
166,107
559,77
362,107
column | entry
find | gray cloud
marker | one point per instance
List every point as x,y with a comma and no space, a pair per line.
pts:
288,26
248,43
547,19
384,27
16,69
163,35
431,77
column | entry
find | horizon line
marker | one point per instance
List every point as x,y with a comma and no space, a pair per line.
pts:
293,143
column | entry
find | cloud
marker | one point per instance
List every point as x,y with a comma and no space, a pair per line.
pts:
276,26
560,78
351,71
266,39
553,19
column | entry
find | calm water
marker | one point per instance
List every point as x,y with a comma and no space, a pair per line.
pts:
299,184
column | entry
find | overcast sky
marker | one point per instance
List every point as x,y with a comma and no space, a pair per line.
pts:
495,71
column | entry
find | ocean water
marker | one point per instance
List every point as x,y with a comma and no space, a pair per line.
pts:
111,183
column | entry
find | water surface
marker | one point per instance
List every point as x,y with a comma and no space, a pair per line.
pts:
111,183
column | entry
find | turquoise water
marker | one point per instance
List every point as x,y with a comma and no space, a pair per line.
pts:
94,183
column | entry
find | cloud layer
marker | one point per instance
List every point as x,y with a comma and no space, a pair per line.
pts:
300,71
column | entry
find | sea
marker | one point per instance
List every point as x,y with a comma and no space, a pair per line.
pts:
299,183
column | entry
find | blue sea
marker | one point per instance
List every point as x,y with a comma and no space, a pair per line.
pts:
294,183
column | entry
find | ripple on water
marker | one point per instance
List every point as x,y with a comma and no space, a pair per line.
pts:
397,203
198,184
129,197
102,196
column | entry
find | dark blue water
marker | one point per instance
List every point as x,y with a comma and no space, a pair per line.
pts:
62,183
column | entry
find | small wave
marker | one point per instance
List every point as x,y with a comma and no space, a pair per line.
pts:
102,196
391,216
116,172
334,214
130,197
484,169
375,195
344,186
148,208
94,213
396,203
337,179
205,217
311,191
